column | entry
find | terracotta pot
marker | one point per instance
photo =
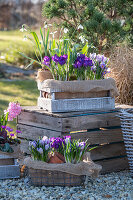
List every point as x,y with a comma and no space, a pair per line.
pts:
44,74
57,158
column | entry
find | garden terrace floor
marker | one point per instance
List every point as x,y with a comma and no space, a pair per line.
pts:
114,186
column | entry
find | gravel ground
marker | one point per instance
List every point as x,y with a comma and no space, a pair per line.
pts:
113,186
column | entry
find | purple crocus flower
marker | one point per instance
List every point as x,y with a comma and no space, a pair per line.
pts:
55,58
11,134
9,129
40,150
63,59
47,146
18,131
87,62
33,144
103,65
42,142
46,61
3,127
82,145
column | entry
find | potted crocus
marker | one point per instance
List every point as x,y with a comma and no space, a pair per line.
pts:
59,161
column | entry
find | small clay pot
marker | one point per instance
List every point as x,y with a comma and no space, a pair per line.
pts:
57,158
44,74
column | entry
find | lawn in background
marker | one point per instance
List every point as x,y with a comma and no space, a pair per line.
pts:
23,91
11,43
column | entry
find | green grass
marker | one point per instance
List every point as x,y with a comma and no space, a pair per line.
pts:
11,43
23,91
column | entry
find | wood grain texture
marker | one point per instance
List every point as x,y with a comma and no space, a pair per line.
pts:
113,165
74,95
9,171
99,137
40,120
7,161
89,122
108,151
33,133
35,109
68,105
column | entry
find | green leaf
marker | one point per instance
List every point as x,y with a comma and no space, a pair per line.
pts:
22,54
29,65
85,49
37,43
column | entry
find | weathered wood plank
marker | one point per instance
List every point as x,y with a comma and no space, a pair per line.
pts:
75,95
9,171
99,137
35,109
108,151
113,165
33,133
68,105
89,122
40,120
7,161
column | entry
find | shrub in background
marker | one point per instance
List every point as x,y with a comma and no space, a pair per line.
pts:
102,22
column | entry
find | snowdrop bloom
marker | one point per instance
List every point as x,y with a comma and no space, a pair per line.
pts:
65,30
45,26
53,33
80,27
23,29
108,70
82,38
25,38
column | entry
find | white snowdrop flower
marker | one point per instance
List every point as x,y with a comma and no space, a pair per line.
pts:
45,26
53,33
65,30
2,57
80,27
122,22
23,29
49,24
25,38
108,70
66,39
61,40
82,38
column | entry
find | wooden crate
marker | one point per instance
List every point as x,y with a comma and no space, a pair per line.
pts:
101,128
9,167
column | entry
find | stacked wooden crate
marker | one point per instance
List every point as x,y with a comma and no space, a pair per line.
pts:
101,128
9,166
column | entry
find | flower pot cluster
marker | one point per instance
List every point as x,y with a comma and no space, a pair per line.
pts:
59,161
7,136
58,150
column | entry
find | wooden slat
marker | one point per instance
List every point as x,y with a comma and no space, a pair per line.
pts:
113,165
40,120
9,171
89,122
72,95
35,109
99,137
108,151
7,161
33,133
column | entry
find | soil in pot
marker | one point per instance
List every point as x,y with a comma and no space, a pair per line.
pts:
57,158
